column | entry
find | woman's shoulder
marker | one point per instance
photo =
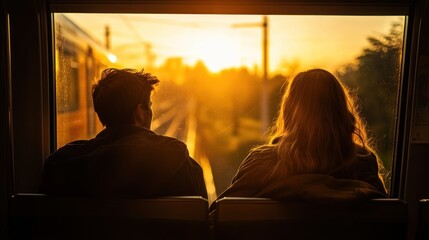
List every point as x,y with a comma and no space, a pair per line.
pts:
260,155
364,162
364,158
263,152
365,155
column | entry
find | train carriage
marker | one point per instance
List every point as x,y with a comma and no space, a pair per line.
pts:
79,60
48,64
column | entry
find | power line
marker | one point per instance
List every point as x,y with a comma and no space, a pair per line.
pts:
131,27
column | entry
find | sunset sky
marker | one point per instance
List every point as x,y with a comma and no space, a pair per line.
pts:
311,41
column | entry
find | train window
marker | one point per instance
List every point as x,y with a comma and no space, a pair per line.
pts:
68,83
222,75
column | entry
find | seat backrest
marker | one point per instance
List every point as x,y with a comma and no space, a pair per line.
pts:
423,221
261,218
37,216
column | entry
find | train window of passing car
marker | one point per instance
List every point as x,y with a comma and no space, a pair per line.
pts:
213,69
68,86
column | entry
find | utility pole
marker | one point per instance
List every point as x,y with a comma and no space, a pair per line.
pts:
107,36
150,57
264,100
264,90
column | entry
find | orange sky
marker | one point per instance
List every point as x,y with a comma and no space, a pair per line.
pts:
312,41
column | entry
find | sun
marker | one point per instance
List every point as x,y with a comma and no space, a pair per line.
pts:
218,50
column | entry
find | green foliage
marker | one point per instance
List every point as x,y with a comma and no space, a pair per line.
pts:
375,77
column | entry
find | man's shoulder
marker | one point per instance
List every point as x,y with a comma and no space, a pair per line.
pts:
67,154
153,148
71,146
172,140
170,143
154,138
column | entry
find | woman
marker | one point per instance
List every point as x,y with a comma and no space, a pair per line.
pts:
318,148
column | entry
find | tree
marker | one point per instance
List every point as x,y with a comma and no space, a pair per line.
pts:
375,77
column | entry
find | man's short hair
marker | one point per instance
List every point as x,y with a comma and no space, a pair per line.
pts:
118,92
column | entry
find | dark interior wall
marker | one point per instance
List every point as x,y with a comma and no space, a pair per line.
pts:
419,155
417,167
418,180
28,76
4,124
24,94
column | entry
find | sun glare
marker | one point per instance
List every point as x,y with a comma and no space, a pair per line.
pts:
112,58
217,51
307,41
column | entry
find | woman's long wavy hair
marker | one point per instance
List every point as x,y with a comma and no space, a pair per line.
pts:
318,125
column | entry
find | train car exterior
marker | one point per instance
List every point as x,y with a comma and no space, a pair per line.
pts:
28,71
79,61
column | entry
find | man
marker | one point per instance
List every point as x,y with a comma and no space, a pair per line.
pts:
126,159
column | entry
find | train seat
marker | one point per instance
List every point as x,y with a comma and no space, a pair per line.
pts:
423,220
261,218
37,216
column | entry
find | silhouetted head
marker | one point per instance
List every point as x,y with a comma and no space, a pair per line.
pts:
317,126
123,97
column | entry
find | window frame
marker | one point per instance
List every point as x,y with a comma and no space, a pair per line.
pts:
286,7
